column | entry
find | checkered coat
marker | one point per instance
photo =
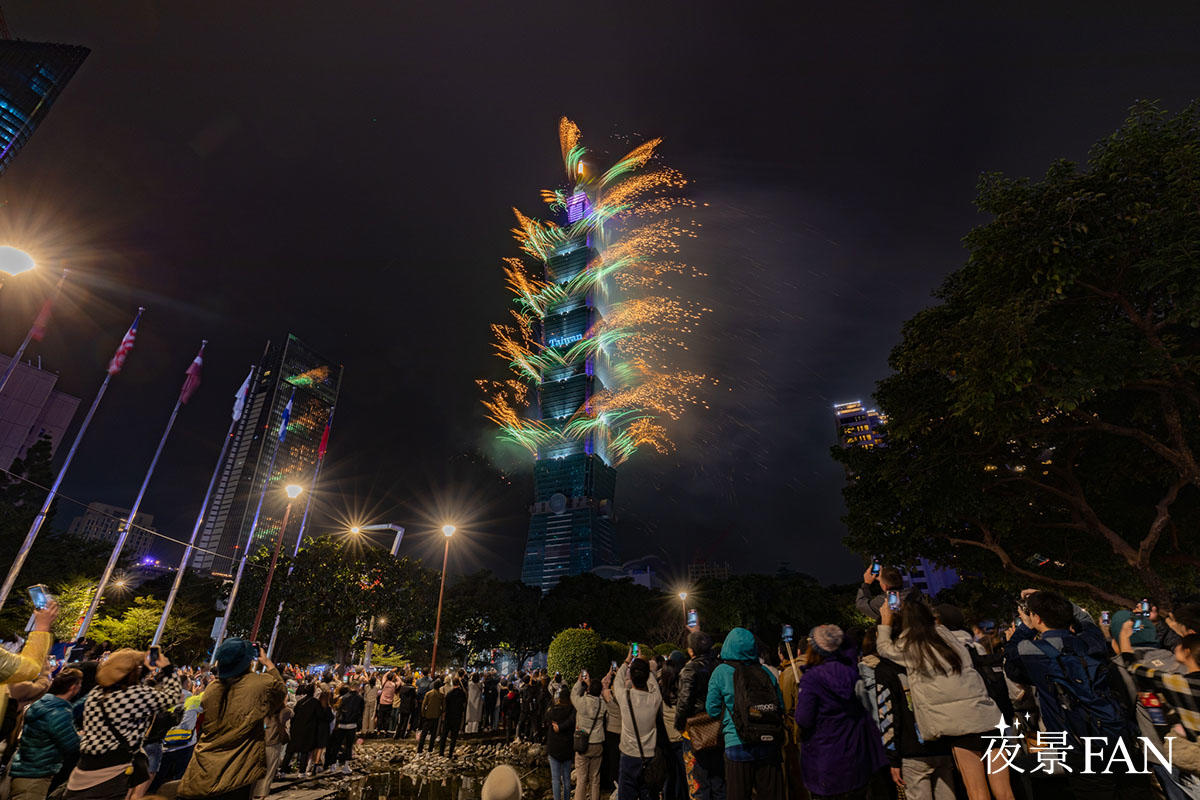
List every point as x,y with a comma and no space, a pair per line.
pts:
130,711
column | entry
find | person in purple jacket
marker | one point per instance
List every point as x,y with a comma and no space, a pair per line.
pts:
840,747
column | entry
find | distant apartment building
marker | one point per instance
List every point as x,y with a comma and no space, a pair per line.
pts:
30,406
102,523
713,570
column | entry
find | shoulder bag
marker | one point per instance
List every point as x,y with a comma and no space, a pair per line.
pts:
584,740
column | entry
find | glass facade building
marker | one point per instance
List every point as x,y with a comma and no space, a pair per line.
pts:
572,524
289,371
857,425
32,75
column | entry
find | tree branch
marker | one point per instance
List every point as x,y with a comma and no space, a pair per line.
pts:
1162,516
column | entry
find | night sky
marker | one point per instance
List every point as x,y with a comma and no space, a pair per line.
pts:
344,171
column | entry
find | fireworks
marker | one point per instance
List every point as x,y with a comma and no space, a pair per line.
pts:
610,260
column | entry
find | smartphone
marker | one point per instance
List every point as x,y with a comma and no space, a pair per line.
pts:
788,634
875,567
693,619
39,596
634,648
1144,606
893,600
1140,619
153,654
613,666
1105,617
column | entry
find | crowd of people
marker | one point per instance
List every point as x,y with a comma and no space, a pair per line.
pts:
920,704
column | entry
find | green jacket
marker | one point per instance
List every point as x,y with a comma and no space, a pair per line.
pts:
431,706
48,739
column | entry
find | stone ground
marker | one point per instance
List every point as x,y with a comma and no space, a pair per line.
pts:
385,769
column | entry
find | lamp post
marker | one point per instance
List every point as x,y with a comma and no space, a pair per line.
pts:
447,531
293,491
683,602
360,529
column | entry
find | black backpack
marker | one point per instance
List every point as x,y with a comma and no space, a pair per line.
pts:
756,712
991,669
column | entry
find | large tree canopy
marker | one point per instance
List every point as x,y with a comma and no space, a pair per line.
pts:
1047,408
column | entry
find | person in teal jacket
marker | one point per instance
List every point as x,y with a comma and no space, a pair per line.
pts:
48,739
749,768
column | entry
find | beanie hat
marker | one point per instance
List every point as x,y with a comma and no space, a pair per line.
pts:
827,638
234,657
118,666
502,783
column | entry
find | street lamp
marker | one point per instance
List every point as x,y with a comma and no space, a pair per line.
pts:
447,531
293,491
683,602
357,530
14,261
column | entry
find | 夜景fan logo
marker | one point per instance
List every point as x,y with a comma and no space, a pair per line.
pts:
1099,754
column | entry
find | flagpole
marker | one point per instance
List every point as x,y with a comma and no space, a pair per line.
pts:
123,533
187,553
237,580
300,536
19,561
33,329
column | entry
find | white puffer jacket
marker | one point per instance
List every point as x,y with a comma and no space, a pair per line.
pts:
954,704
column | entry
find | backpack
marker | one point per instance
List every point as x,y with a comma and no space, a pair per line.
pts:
1079,682
757,716
991,669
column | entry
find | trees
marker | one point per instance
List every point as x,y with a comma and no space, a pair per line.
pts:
1048,407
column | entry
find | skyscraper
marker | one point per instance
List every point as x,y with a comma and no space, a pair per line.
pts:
572,525
29,407
290,371
102,523
32,75
859,427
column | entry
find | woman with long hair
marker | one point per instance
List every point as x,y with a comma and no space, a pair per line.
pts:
949,698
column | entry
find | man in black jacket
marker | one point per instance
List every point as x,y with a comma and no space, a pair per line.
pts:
456,709
347,723
405,706
706,768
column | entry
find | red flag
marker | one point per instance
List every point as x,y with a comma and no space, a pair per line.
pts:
325,438
38,331
192,382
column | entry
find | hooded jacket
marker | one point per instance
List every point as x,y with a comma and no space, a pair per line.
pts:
840,747
739,647
48,739
953,704
231,752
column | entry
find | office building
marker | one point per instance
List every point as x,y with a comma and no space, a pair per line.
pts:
290,370
32,75
31,407
102,523
713,570
858,426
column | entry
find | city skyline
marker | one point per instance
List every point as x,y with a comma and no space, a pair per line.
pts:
833,190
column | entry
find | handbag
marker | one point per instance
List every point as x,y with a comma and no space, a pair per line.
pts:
655,772
584,740
703,732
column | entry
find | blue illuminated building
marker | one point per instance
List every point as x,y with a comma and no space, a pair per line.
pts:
572,523
32,75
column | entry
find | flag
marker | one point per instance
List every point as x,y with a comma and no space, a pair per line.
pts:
38,331
287,414
118,359
325,437
192,382
239,399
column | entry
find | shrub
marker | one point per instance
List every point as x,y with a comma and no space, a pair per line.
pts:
665,649
575,650
616,651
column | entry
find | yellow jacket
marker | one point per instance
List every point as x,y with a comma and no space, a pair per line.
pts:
23,666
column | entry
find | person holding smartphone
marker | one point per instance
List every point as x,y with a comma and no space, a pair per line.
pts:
27,665
231,753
